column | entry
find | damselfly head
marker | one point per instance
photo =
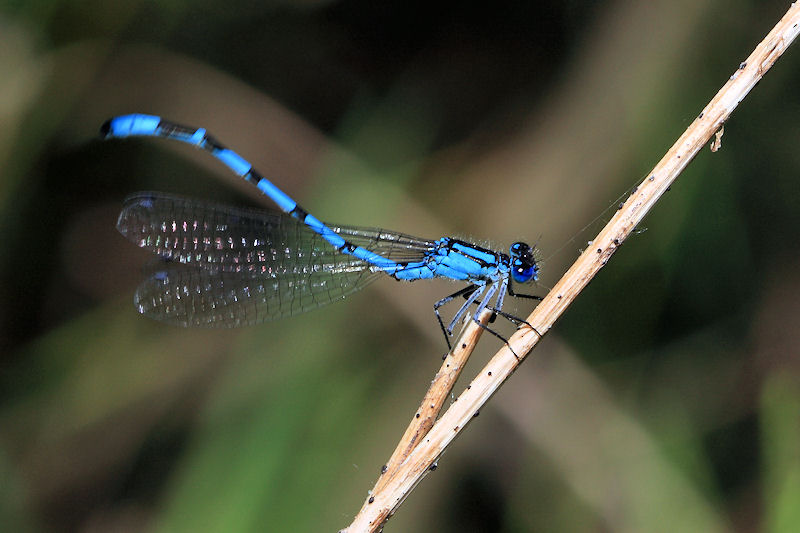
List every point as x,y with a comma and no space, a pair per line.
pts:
524,267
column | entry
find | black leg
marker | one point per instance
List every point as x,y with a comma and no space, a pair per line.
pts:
517,320
464,309
518,295
505,341
465,292
498,304
469,291
511,318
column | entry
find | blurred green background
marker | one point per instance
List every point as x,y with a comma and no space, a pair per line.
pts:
666,399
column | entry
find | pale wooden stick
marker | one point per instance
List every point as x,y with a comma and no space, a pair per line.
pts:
383,503
434,399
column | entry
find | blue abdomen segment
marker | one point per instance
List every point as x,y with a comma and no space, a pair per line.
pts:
233,161
131,125
276,195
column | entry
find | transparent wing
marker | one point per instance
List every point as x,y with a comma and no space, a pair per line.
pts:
232,239
195,297
229,266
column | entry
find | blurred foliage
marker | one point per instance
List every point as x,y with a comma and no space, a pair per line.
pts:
667,398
